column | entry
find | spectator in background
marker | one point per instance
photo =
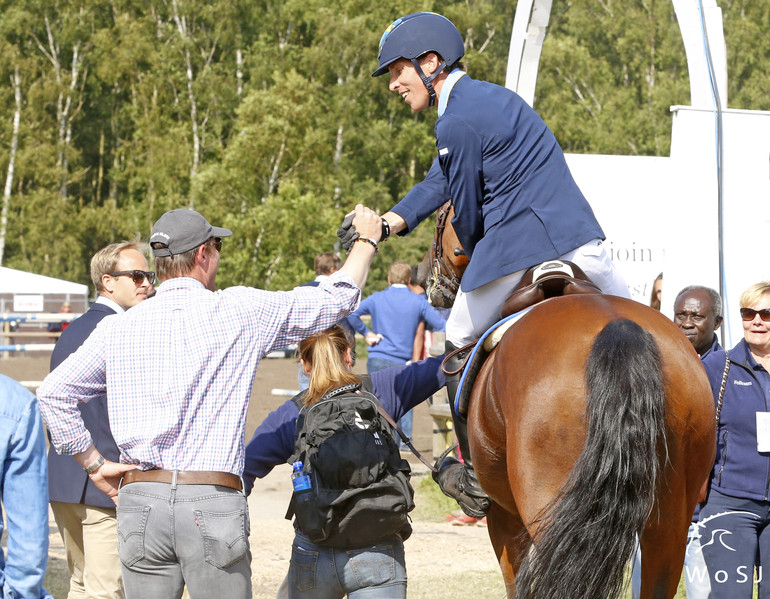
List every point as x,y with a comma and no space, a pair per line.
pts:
58,327
698,314
24,492
657,290
85,516
324,265
396,314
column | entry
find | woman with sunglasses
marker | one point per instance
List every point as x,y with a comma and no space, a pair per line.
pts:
735,535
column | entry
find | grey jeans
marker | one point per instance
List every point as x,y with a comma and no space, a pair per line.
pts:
172,535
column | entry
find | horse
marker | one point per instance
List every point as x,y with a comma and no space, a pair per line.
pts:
591,424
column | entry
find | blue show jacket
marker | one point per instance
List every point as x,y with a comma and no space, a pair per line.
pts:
740,470
516,203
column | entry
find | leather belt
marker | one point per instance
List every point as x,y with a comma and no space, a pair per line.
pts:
183,477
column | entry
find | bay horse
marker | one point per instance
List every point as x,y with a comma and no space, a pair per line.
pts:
590,424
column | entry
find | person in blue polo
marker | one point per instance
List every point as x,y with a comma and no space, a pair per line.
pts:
516,203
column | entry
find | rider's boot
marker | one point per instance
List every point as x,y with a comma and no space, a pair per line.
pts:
457,479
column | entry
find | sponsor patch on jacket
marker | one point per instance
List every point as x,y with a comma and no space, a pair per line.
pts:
443,151
743,383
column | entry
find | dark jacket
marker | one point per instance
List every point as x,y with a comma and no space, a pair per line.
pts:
740,470
67,481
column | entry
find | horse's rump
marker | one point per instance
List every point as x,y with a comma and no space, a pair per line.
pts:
580,382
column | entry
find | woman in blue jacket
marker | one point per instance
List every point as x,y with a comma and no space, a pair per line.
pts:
516,203
734,520
325,572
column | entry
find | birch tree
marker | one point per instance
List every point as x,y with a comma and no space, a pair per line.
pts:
16,84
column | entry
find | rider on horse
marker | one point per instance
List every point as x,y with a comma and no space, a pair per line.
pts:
516,203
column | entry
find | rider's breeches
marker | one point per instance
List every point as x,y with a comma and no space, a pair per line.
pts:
474,312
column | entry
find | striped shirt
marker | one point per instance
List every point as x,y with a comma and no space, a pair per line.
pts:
178,369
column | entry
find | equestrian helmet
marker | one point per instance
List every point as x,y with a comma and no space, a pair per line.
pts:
413,35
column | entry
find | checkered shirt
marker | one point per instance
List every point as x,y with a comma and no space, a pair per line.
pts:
178,369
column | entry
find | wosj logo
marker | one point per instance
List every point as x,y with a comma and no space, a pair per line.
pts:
713,535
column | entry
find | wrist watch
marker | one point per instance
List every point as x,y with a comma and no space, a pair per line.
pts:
95,466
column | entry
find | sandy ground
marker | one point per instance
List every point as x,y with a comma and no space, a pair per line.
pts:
443,560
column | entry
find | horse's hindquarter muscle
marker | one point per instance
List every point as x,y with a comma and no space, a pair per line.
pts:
528,425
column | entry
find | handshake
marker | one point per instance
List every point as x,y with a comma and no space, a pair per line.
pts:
348,234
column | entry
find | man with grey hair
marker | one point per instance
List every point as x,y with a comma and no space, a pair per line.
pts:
698,314
178,386
85,516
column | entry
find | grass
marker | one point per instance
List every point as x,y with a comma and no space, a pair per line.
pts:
431,506
57,577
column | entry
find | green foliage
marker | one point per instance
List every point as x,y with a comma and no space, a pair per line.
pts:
264,116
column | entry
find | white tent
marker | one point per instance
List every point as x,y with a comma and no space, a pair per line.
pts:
18,281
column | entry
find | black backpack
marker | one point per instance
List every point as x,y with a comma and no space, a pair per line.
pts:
360,484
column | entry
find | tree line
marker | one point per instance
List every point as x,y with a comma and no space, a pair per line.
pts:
263,115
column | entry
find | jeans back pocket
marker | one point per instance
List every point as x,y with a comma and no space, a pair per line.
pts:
225,537
132,524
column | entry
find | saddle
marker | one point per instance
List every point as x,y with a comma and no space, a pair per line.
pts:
548,280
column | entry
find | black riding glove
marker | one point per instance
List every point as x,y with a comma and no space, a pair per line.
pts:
459,482
347,233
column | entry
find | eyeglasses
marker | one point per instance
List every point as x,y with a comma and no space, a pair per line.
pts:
216,244
748,314
137,276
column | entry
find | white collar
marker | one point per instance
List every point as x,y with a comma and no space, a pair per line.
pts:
449,83
102,299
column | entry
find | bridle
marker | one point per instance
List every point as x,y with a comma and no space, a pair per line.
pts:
442,280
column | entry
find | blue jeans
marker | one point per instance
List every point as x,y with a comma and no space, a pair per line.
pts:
24,488
734,537
172,535
376,572
405,422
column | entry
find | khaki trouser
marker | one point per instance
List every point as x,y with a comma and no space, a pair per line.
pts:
90,536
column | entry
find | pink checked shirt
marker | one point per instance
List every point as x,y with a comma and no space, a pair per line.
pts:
178,369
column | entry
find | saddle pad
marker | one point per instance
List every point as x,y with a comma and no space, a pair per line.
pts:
486,343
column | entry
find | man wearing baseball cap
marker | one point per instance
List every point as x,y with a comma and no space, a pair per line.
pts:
178,372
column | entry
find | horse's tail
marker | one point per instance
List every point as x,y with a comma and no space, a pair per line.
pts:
587,534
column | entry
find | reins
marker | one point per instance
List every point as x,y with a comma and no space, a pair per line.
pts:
443,278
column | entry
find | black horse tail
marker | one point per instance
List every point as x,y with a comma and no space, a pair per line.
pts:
588,533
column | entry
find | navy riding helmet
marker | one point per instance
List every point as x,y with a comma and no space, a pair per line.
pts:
416,34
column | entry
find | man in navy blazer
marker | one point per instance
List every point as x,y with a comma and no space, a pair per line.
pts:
86,517
516,203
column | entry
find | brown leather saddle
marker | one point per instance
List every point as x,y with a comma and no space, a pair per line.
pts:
548,280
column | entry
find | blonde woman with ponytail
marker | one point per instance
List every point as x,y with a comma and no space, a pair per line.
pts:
327,358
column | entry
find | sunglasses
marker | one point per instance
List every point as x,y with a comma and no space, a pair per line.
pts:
216,244
748,314
137,276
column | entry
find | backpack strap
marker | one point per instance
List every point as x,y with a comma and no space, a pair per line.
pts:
404,438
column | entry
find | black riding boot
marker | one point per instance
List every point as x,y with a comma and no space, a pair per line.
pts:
456,479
